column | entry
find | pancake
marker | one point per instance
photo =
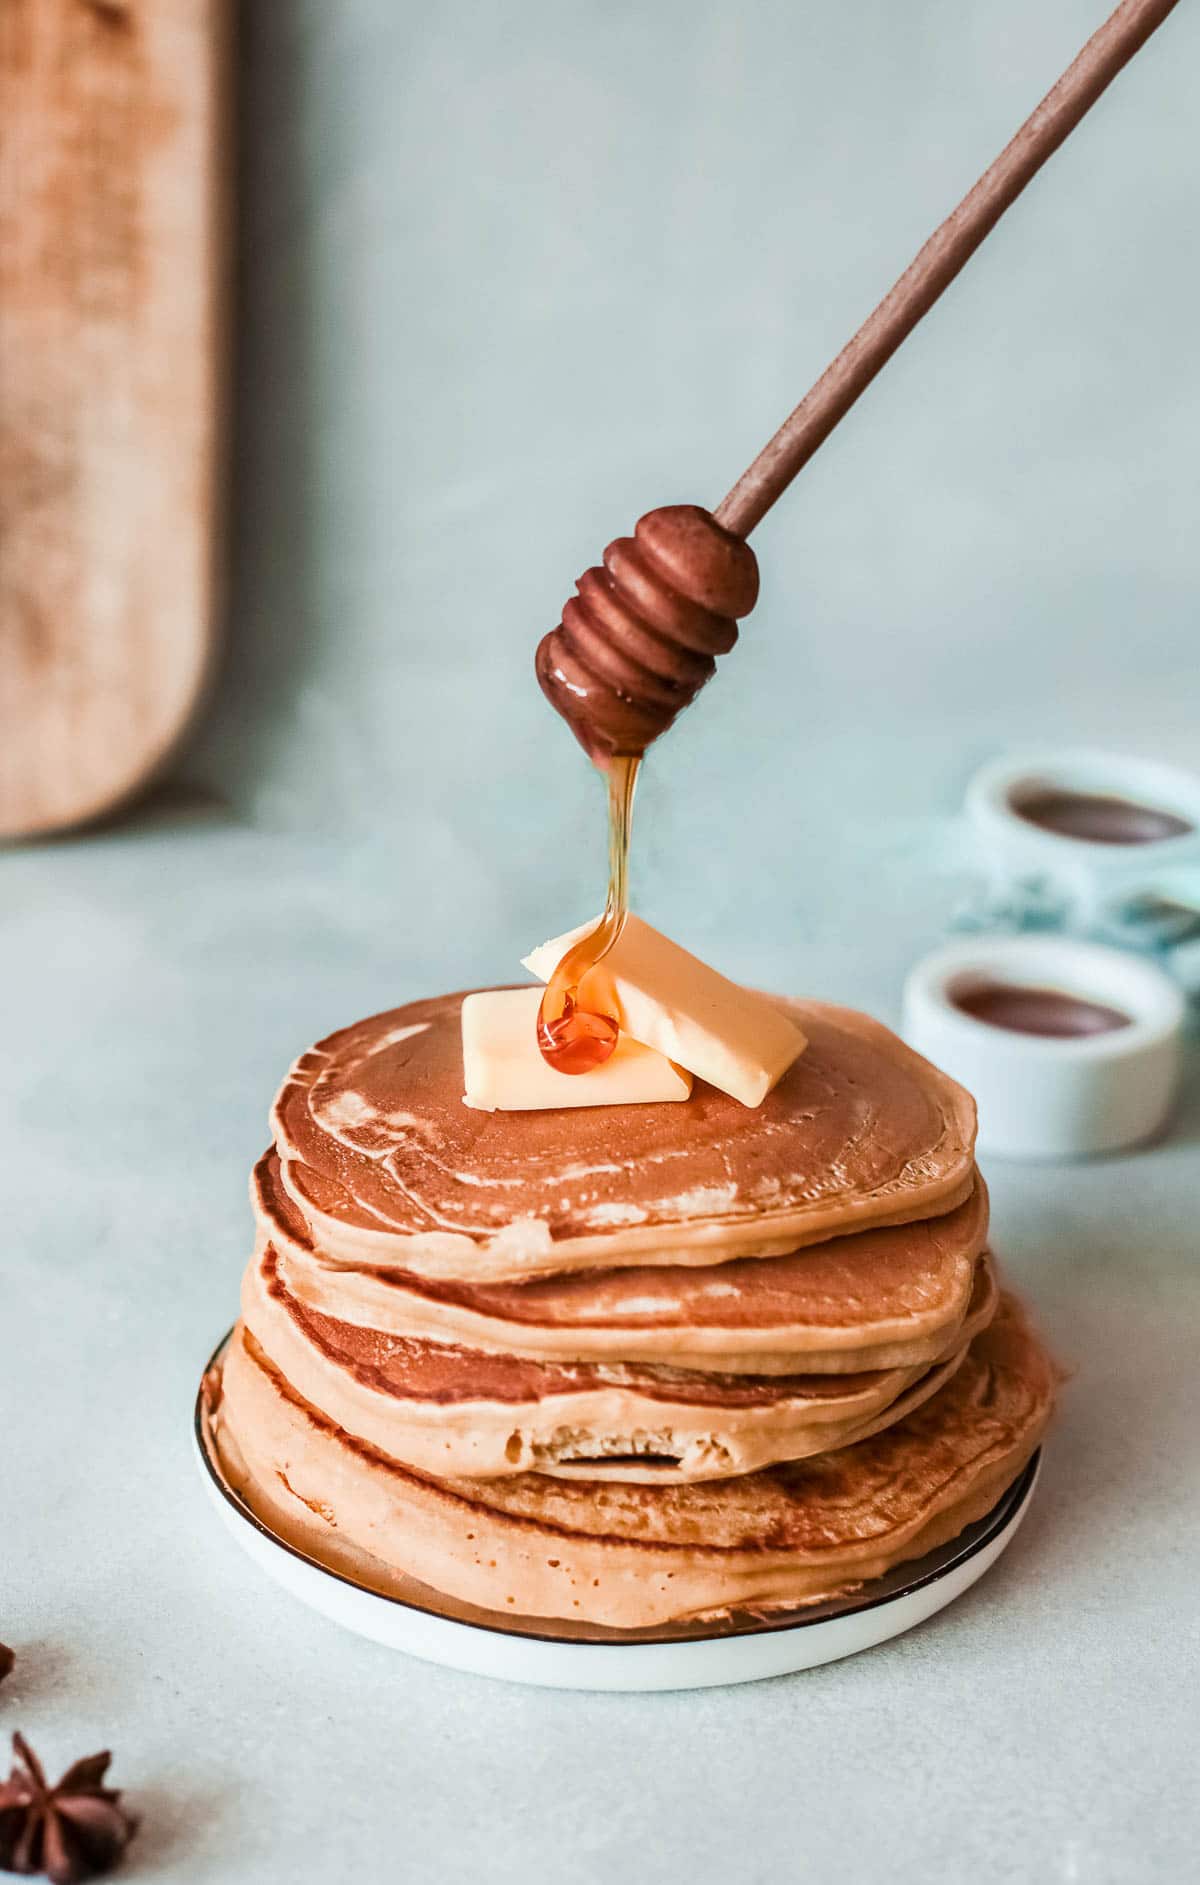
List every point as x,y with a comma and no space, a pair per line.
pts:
882,1298
632,1556
452,1411
391,1169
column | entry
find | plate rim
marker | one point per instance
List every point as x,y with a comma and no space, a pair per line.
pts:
1008,1506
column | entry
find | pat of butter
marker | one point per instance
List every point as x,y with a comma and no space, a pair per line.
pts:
505,1072
733,1037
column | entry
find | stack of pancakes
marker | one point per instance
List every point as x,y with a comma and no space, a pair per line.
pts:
623,1366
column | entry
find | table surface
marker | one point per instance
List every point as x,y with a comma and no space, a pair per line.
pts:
159,979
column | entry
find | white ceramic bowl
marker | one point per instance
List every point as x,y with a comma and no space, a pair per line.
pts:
1043,1097
536,1655
1099,881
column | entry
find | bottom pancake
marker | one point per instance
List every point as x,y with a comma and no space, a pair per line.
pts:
635,1556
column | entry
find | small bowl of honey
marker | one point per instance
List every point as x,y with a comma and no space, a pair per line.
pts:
1111,840
1070,1048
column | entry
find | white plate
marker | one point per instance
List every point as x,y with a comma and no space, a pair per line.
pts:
533,1654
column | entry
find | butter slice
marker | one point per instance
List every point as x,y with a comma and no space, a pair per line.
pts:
505,1072
731,1036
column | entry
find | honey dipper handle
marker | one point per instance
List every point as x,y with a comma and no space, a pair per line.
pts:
946,252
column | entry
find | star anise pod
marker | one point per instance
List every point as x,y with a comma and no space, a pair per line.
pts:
7,1659
70,1832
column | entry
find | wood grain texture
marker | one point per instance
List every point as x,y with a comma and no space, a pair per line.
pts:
112,124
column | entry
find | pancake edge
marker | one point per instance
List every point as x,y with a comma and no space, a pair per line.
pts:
567,1434
482,1558
811,1348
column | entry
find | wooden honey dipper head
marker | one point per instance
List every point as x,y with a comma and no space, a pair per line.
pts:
641,637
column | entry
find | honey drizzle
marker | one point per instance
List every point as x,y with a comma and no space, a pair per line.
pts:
575,1037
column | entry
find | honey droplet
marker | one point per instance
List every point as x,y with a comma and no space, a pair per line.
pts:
579,1040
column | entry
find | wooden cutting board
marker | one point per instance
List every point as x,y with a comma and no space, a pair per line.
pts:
113,135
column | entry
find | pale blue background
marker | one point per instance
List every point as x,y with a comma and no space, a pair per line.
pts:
511,275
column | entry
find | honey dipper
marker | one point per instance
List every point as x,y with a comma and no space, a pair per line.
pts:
641,637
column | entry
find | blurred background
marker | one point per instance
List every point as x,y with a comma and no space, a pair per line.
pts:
506,278
510,277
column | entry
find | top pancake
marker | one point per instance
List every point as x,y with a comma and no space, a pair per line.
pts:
389,1167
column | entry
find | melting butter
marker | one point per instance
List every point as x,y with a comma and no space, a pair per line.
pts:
669,1000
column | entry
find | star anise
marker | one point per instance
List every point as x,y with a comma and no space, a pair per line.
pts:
7,1659
70,1832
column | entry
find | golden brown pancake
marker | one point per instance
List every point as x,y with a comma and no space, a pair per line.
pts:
635,1556
880,1298
451,1410
391,1169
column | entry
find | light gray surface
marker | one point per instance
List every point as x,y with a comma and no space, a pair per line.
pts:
159,979
511,276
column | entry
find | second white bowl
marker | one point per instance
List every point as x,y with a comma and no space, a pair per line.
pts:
1041,1096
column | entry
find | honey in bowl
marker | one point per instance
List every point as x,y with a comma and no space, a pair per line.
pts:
1096,817
1055,1013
